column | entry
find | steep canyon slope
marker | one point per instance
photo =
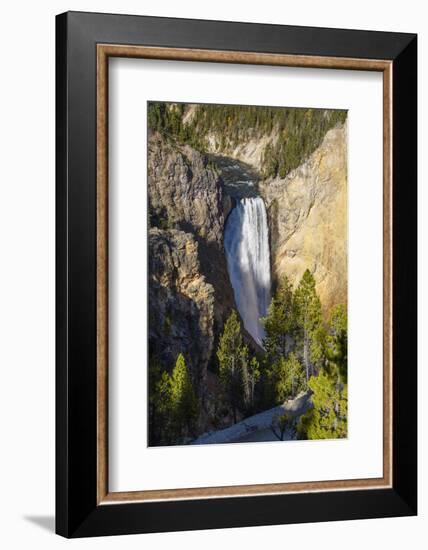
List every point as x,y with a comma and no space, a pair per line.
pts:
307,211
308,219
190,292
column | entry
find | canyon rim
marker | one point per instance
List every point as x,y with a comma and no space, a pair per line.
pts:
247,267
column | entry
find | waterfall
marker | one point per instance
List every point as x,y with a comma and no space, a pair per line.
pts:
246,242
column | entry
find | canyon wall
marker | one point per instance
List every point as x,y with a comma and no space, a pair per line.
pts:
190,291
181,303
308,220
190,294
307,213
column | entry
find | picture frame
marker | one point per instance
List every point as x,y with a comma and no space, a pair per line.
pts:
84,44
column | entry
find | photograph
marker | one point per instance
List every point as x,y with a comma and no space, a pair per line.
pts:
247,273
213,267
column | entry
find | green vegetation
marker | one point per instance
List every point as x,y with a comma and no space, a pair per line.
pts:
328,418
159,404
288,378
238,373
295,330
337,345
173,406
167,119
280,323
251,378
309,333
184,405
295,133
293,342
302,353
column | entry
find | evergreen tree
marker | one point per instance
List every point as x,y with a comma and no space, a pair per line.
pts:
337,343
318,348
250,377
298,131
245,377
232,355
184,404
153,116
328,417
160,405
309,320
254,378
288,378
280,322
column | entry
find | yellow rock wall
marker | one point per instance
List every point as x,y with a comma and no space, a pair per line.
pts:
308,220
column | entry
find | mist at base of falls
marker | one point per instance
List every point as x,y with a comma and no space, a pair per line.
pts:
246,243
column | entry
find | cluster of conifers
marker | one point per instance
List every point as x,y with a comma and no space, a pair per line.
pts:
302,352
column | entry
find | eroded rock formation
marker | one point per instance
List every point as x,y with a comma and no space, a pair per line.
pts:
187,265
181,303
308,219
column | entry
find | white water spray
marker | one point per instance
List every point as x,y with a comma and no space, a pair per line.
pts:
246,244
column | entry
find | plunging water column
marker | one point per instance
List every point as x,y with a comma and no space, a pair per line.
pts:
246,243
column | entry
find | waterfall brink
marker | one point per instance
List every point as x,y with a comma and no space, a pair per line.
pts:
246,243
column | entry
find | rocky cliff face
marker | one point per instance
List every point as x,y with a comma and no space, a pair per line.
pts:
308,219
181,303
307,213
184,191
249,152
191,293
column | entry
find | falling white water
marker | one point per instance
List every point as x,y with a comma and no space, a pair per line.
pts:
246,243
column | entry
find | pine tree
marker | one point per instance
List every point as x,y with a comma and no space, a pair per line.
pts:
280,322
337,343
153,116
254,376
160,405
328,417
308,315
184,404
232,354
154,376
250,376
289,378
245,377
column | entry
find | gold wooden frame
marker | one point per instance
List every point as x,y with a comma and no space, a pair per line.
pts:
104,51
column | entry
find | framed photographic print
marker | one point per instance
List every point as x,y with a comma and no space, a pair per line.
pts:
236,274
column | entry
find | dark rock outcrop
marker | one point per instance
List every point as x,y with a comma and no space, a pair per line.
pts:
190,290
184,191
181,303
